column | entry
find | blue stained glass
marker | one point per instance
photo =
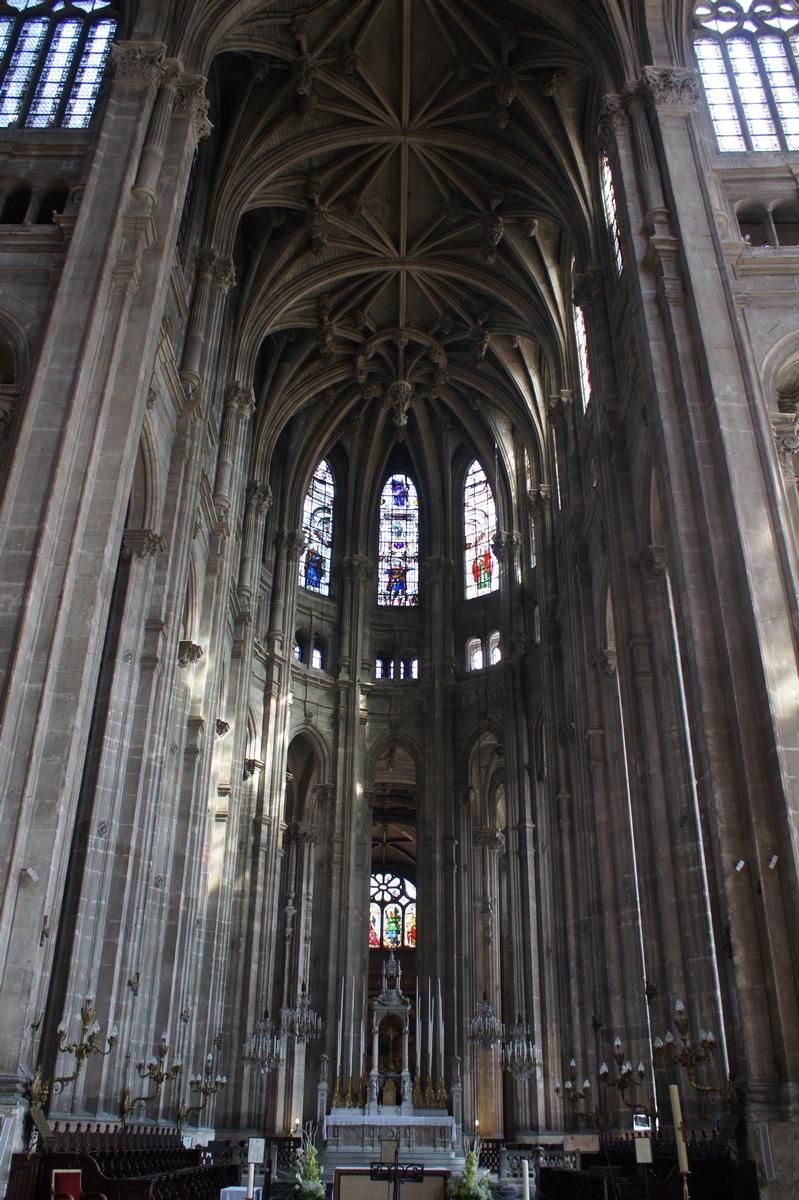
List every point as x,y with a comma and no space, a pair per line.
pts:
480,527
20,69
398,550
317,528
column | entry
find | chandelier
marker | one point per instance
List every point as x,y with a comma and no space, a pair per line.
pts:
519,1055
262,1050
485,1030
301,1023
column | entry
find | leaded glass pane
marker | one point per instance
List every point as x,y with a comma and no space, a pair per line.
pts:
83,96
317,528
398,548
582,354
611,212
53,76
480,528
20,71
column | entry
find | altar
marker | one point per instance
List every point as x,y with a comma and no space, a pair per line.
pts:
391,1110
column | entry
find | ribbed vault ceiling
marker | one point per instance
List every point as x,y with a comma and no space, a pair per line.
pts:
409,180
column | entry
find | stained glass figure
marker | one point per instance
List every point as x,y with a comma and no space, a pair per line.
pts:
374,926
392,912
317,528
480,527
398,549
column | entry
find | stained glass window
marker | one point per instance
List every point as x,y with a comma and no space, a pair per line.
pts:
392,912
748,56
398,549
53,62
582,354
611,212
480,527
317,528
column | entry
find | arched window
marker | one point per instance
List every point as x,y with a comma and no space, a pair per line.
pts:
398,546
611,212
317,528
392,912
53,55
748,55
474,654
480,527
582,354
494,649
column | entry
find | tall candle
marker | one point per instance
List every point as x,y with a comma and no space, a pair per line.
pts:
340,1030
679,1132
352,1024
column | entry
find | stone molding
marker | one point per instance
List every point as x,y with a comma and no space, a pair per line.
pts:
142,543
138,63
189,652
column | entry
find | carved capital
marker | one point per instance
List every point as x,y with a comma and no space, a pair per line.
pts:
671,88
138,63
785,427
605,661
217,269
142,543
259,496
612,121
192,101
189,652
239,399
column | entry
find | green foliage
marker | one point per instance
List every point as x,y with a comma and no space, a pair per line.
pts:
472,1183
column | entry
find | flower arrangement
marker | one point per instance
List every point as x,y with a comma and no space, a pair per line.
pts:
472,1183
305,1180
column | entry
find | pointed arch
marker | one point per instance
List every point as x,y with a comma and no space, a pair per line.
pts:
481,575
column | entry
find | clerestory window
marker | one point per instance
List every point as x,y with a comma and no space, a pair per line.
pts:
748,56
52,57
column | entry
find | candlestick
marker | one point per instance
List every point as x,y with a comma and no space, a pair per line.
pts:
679,1134
352,1026
339,1063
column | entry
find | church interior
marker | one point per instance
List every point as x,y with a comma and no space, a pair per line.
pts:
399,532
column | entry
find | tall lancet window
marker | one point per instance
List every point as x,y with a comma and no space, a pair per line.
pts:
52,57
480,529
748,55
398,548
317,528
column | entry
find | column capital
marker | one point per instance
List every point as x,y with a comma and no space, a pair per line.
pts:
138,63
142,543
217,269
191,101
671,89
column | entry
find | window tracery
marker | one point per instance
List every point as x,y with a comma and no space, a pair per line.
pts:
748,57
317,528
53,54
392,912
398,545
480,528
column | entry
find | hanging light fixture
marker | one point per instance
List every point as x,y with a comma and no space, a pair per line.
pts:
485,1030
262,1049
520,1056
301,1023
